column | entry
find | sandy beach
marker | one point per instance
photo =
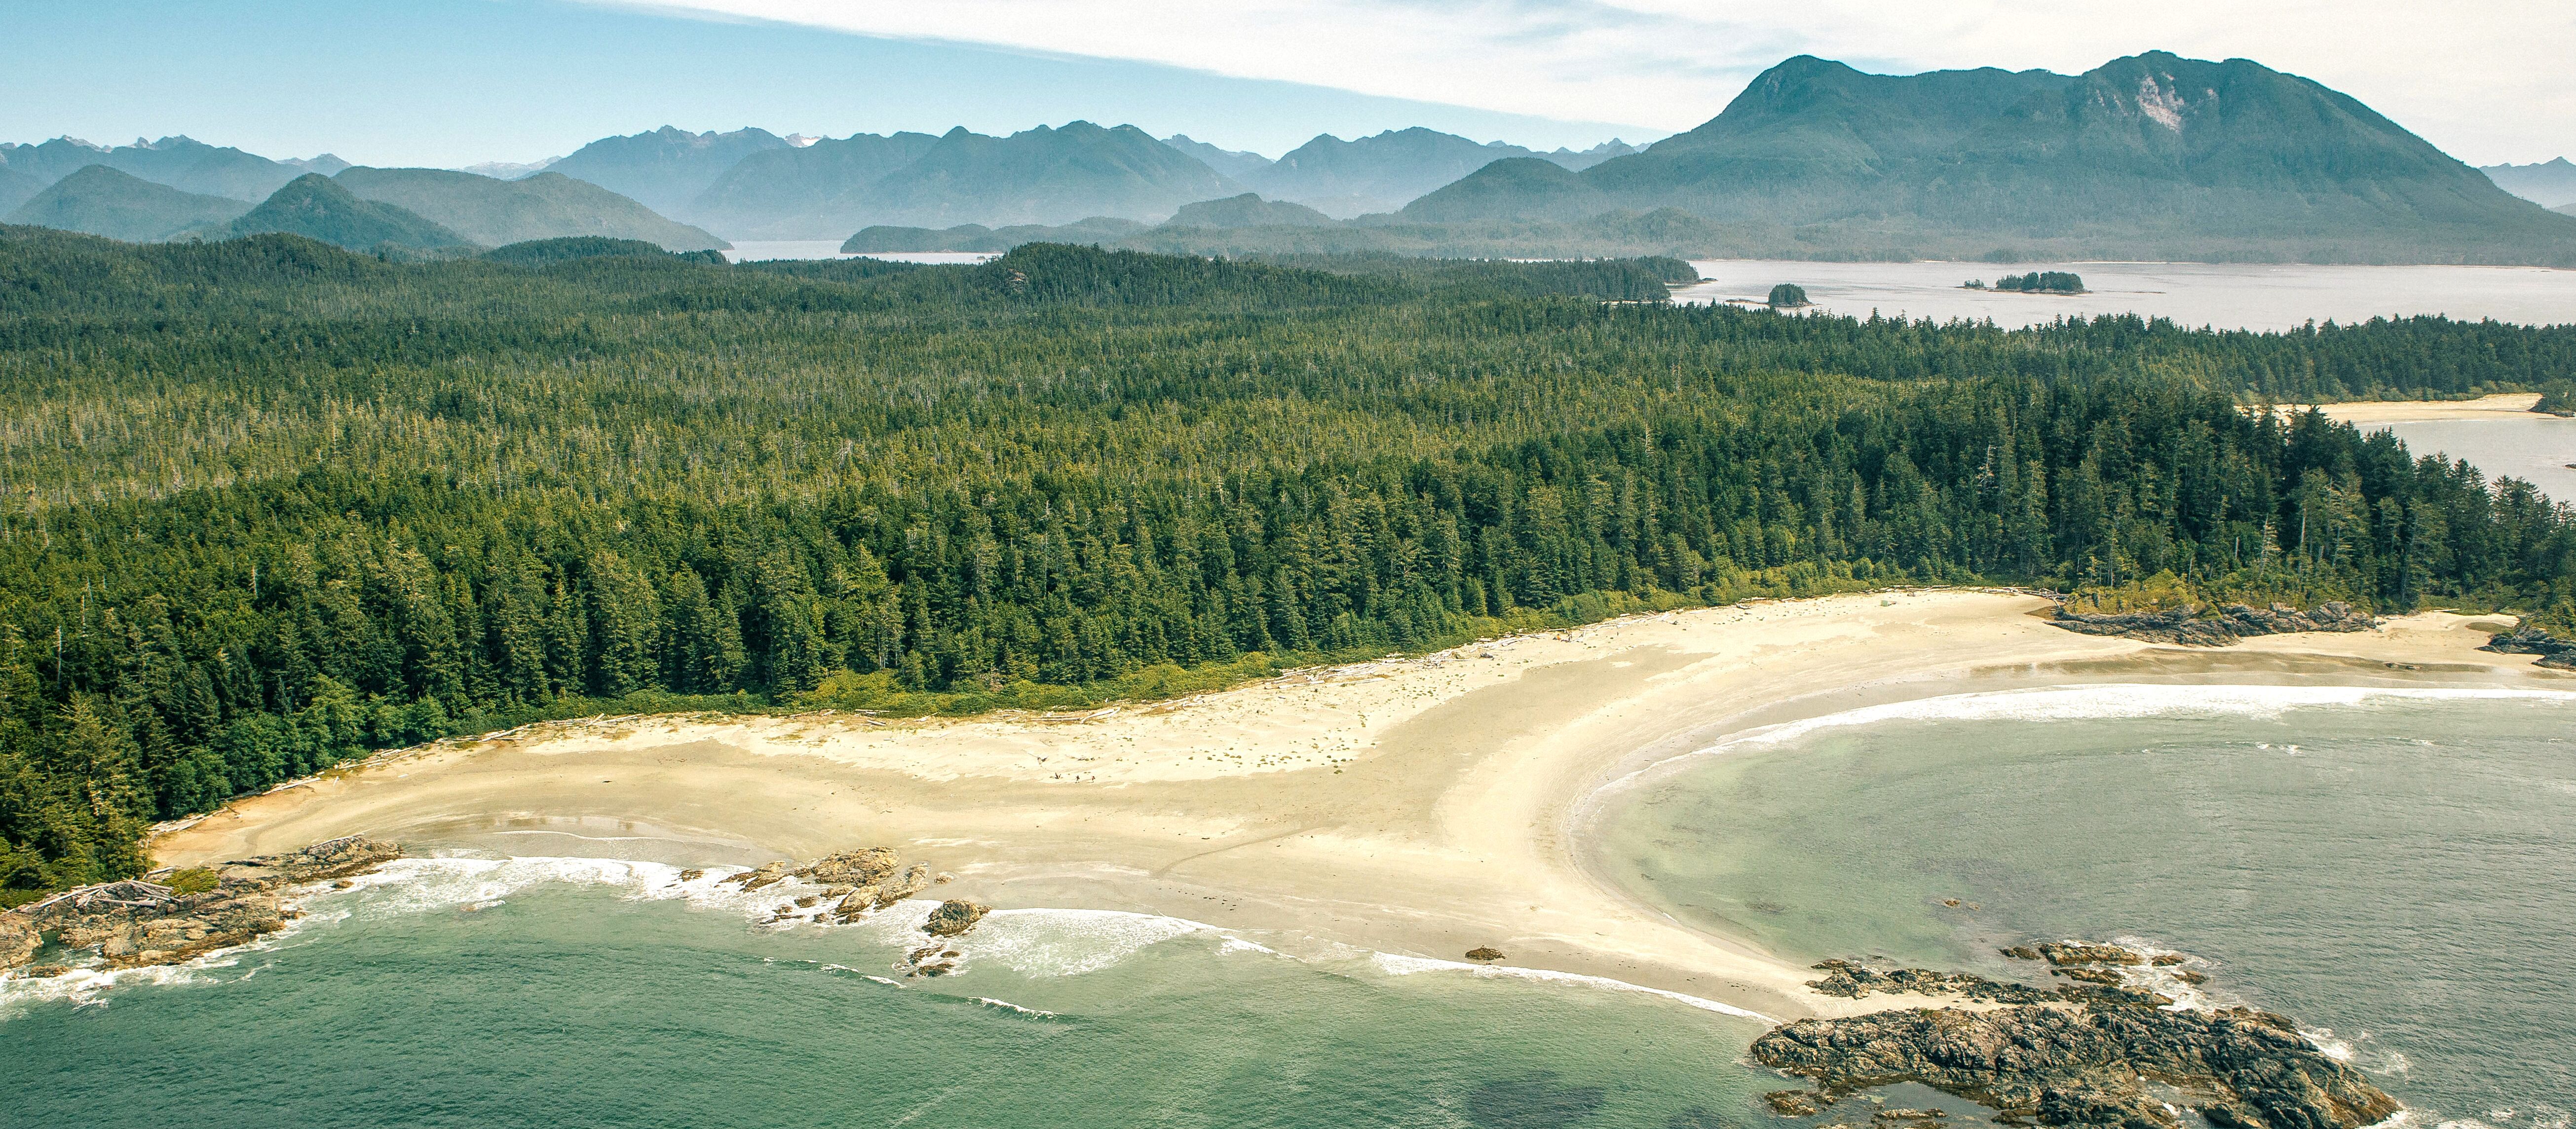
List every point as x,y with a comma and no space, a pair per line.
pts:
2366,412
1418,806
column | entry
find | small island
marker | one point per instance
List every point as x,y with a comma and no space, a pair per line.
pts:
1787,296
2036,282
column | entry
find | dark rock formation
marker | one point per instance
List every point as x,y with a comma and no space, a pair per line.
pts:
2556,653
135,922
1853,980
1486,953
862,881
2063,953
2241,1069
1797,1103
2189,627
954,917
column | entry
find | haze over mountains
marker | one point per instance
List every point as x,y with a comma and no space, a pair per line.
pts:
2550,184
2151,156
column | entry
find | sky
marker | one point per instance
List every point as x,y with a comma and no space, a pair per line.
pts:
453,82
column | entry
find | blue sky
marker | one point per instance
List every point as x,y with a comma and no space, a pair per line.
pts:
451,82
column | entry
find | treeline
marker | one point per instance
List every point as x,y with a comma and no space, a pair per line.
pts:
272,506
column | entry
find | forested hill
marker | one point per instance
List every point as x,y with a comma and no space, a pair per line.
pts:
270,504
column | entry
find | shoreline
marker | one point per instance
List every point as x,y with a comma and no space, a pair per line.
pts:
1414,807
2364,413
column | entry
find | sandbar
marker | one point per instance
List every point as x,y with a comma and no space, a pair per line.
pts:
2502,405
1419,806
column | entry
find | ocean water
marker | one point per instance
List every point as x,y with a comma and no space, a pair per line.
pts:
558,993
756,250
2221,295
2390,869
2539,449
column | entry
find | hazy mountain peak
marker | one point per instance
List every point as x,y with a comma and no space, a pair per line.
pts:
318,207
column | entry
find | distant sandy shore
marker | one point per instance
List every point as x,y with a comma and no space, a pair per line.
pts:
2364,412
1419,806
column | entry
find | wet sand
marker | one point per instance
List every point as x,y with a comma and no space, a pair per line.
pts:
1420,806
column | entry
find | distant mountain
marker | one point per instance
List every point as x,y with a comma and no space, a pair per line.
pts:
2565,209
328,164
1234,163
890,239
665,168
511,170
819,191
2150,156
1587,158
17,187
1044,176
494,213
318,207
1521,188
1249,210
102,201
2548,184
1373,174
180,162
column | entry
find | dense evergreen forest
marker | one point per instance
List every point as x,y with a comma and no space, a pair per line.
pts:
269,505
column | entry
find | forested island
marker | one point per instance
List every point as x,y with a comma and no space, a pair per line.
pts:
271,504
2036,282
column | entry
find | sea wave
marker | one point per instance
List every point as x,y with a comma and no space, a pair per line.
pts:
2121,700
1395,965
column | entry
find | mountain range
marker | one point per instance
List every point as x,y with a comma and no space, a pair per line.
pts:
183,163
103,201
1344,179
666,168
438,207
2550,184
318,207
2150,156
547,205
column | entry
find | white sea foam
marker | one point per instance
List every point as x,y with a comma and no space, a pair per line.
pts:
1395,965
1069,942
2125,699
1007,1005
2105,700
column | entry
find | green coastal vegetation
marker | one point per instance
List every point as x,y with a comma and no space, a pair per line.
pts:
1787,294
270,504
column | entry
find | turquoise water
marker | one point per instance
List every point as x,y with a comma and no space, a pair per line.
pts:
568,993
2394,872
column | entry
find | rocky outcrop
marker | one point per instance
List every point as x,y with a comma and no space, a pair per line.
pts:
954,917
2190,627
2239,1068
2083,1053
137,922
859,882
1485,955
2554,652
19,940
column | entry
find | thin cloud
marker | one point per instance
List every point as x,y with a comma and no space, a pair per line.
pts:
2484,80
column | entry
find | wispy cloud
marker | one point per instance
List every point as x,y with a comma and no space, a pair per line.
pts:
2485,79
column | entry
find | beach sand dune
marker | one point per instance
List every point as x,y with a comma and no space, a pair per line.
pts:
1421,807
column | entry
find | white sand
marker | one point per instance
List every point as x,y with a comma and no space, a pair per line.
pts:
1420,807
